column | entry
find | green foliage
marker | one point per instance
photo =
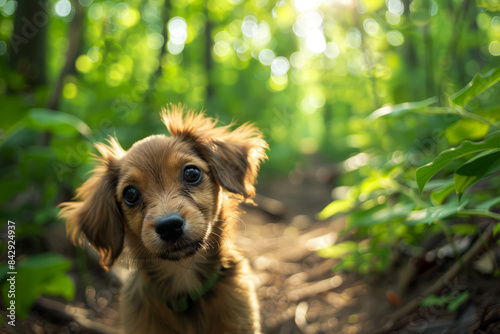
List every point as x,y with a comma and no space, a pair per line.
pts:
425,173
37,275
389,197
310,75
452,300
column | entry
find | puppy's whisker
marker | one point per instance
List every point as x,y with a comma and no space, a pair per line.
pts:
227,246
156,207
241,220
203,247
224,232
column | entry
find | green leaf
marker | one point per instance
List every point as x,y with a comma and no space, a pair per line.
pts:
339,250
338,206
474,126
466,129
430,215
440,194
380,214
489,203
479,84
398,109
461,298
425,173
475,170
433,300
39,274
56,122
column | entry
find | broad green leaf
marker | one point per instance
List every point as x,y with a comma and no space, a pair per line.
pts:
455,303
474,126
56,122
425,173
339,250
338,206
430,215
59,285
440,194
475,170
398,109
479,84
380,214
489,203
433,300
466,129
39,274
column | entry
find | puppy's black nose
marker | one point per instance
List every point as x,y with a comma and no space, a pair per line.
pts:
170,227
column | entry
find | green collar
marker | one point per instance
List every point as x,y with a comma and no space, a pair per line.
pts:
182,304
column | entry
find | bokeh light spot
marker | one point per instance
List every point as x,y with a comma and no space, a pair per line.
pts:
353,38
332,50
249,26
280,66
370,26
9,8
495,23
494,48
266,56
305,5
222,49
93,54
297,60
155,41
396,7
96,11
83,64
175,48
278,83
395,38
392,19
433,10
315,41
177,28
70,90
63,8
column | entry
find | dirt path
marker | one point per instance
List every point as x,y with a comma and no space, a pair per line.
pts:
297,289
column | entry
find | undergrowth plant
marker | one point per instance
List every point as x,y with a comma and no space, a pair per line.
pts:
401,200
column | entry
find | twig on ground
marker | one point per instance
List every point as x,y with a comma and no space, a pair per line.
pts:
413,305
59,311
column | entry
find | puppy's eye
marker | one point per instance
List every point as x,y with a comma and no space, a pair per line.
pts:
131,195
192,174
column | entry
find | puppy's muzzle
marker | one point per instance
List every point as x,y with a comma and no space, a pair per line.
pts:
170,227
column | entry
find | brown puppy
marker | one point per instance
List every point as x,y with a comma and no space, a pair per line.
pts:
171,201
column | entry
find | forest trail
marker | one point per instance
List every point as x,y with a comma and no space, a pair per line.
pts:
297,289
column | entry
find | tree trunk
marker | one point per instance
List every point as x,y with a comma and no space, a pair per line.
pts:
28,42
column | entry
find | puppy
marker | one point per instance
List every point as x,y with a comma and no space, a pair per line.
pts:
171,200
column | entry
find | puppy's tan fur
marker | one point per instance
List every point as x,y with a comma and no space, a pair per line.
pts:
229,161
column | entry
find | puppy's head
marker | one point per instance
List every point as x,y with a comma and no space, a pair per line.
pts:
164,193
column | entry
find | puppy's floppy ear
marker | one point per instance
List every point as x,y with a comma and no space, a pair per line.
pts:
235,159
234,156
97,214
